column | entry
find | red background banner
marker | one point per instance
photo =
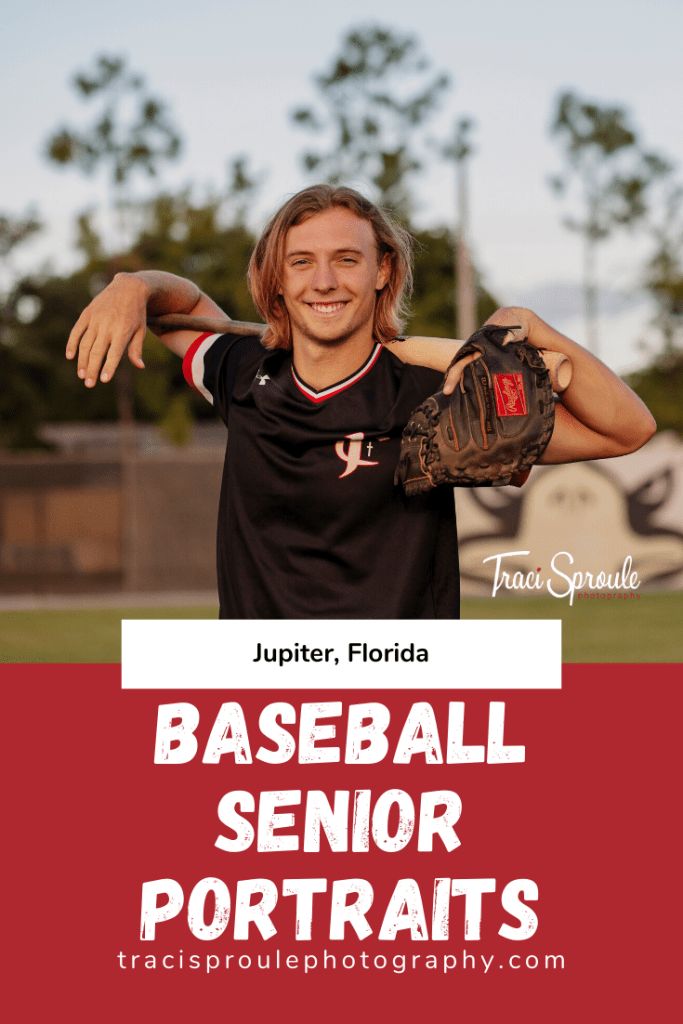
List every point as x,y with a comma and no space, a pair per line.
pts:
591,816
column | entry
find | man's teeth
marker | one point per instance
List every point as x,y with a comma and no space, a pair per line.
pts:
327,307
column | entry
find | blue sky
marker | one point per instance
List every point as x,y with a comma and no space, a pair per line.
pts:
232,73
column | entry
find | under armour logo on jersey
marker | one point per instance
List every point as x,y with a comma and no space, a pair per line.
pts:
262,378
351,451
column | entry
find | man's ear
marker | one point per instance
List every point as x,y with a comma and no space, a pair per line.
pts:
383,272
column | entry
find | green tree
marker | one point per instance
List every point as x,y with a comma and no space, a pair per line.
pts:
607,177
21,365
204,241
433,304
458,149
209,243
372,102
660,383
131,132
664,269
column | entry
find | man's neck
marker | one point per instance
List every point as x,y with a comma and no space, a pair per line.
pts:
322,365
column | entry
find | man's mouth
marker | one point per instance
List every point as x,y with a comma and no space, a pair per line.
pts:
327,308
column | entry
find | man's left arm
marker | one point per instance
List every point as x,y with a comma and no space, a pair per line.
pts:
598,415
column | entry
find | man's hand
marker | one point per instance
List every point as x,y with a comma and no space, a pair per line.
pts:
599,417
115,320
516,317
519,321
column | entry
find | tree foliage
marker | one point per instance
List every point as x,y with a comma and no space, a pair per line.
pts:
433,305
132,131
377,93
20,364
605,159
660,385
14,232
606,178
664,270
194,239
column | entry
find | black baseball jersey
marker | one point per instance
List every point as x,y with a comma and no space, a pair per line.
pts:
310,523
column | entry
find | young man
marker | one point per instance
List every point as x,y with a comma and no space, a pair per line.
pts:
310,522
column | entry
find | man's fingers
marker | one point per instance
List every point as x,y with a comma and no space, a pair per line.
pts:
116,350
75,336
135,348
112,323
85,344
98,352
454,375
516,331
94,351
513,334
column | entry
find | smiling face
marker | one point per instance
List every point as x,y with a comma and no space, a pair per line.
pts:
331,276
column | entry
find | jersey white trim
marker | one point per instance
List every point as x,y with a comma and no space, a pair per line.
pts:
195,363
342,385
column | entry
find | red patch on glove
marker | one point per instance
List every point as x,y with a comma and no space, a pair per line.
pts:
510,397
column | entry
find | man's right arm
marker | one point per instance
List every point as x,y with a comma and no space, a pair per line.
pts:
116,321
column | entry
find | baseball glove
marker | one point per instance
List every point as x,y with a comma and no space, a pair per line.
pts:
494,426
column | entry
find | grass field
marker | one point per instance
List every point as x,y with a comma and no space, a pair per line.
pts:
630,630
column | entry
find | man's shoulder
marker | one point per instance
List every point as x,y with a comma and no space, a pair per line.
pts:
238,347
422,377
250,341
216,363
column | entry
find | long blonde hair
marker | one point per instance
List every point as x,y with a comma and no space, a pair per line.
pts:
265,265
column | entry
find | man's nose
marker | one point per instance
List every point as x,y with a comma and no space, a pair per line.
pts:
324,278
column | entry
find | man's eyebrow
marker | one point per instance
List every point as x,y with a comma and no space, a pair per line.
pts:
335,252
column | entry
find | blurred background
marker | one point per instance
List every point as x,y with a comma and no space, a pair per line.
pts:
534,152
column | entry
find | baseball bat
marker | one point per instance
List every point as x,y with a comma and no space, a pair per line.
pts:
435,353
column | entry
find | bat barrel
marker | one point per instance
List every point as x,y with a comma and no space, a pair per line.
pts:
190,322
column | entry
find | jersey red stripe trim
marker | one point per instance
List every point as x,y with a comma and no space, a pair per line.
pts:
189,356
336,389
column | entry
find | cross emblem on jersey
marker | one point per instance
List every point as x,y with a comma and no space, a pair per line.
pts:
262,378
351,451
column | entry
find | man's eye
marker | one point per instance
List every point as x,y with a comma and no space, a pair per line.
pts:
299,263
349,259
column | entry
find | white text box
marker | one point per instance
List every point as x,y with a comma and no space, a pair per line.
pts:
335,654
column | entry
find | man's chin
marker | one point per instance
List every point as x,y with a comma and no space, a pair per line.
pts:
331,340
331,335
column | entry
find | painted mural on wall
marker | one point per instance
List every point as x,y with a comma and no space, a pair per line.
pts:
616,517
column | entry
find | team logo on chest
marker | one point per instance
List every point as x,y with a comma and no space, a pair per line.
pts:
352,451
